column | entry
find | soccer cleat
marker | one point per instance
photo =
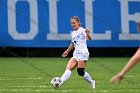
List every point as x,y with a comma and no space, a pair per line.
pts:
92,85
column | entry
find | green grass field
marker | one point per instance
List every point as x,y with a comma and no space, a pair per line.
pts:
33,75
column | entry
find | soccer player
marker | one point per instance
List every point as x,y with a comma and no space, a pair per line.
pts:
133,60
80,54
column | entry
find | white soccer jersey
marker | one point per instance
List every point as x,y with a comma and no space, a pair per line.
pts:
79,40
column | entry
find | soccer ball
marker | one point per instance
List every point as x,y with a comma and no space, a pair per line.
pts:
56,82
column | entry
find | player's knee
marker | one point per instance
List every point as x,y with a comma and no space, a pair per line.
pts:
80,71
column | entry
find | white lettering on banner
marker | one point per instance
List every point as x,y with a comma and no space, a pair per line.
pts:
53,34
53,22
89,22
125,18
12,20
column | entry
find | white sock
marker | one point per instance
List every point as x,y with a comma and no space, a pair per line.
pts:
66,75
87,77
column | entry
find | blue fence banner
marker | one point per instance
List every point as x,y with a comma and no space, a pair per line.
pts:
46,23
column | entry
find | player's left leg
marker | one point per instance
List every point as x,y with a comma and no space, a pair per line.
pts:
80,69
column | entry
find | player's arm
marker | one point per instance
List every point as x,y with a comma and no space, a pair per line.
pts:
71,46
138,25
88,36
133,60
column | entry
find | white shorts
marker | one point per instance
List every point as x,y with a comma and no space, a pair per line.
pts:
81,56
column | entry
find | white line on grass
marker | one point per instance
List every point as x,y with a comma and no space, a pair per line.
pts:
26,90
116,91
32,90
51,90
100,91
128,90
130,76
26,78
30,86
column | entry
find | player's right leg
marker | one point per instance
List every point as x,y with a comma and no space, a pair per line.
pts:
72,64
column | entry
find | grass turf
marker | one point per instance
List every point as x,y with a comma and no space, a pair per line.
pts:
33,75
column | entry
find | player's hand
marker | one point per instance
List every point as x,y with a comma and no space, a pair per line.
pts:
116,79
65,54
87,31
